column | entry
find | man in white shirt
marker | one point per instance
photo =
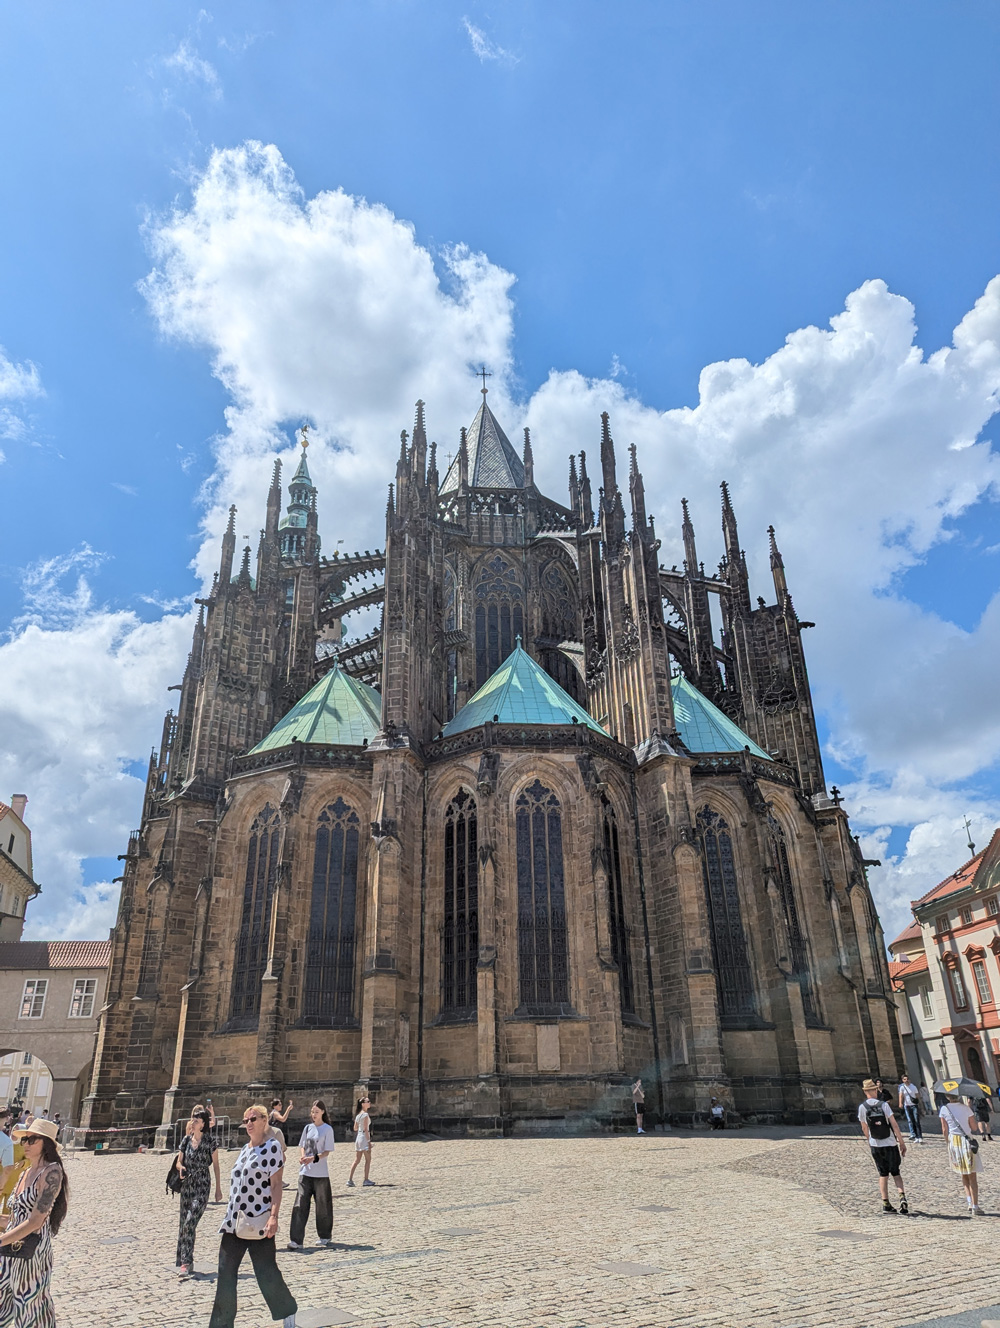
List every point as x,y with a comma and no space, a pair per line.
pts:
315,1146
879,1127
909,1104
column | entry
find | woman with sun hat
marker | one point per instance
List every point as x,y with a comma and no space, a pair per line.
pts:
36,1213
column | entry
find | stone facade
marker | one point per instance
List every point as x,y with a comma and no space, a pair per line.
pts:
494,927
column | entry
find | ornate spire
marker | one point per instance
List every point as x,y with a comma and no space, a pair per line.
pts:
418,452
586,500
736,567
389,507
432,468
637,492
463,459
687,532
574,486
243,580
608,458
529,460
777,568
228,549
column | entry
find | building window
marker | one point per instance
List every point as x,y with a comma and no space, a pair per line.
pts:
796,939
499,616
329,976
33,998
22,1087
10,844
966,915
729,945
255,917
541,903
958,989
460,929
927,1002
993,906
84,993
982,982
27,1058
621,948
941,923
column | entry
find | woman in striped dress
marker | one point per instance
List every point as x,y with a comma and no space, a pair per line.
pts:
39,1204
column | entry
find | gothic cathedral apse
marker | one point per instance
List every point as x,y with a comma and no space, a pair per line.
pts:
543,831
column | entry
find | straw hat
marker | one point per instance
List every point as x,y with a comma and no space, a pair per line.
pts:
48,1128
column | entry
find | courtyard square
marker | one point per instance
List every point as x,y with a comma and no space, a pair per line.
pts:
762,1228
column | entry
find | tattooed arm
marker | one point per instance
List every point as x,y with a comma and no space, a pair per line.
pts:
51,1184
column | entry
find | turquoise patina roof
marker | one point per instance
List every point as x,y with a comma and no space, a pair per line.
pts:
702,725
339,711
520,692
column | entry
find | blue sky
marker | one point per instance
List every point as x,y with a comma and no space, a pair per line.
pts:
669,185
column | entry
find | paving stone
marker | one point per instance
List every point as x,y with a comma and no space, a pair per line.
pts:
629,1269
323,1318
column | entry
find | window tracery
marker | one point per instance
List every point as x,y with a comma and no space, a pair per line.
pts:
255,917
328,983
499,601
541,902
460,930
733,972
796,938
621,950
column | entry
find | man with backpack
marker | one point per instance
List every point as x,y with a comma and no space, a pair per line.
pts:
879,1127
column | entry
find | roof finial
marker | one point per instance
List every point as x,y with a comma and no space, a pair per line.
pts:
484,374
517,641
968,831
305,436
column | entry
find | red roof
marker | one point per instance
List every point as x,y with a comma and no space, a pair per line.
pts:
55,954
911,933
952,884
901,969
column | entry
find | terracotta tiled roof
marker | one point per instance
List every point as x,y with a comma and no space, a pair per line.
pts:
952,884
911,933
988,874
55,954
901,969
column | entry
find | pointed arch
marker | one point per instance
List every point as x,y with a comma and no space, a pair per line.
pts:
541,902
796,937
733,972
460,926
255,917
621,950
328,984
499,609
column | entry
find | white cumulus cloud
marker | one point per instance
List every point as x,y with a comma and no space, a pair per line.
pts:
18,382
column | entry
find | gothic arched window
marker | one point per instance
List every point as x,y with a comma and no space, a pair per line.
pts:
559,620
499,616
621,950
328,985
255,918
796,939
460,931
541,902
733,975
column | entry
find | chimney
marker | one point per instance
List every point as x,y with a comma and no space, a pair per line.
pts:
18,802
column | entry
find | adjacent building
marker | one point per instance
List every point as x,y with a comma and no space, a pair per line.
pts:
946,968
559,820
17,884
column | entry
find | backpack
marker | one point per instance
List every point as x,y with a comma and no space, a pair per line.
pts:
877,1122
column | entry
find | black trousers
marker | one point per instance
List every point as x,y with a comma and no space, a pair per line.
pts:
311,1187
280,1300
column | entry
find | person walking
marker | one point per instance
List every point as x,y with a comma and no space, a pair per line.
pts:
38,1208
276,1118
982,1108
909,1104
881,1092
251,1223
878,1125
197,1155
315,1146
362,1141
963,1149
638,1102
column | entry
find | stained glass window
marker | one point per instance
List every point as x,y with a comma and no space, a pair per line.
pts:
460,930
255,918
328,991
541,902
499,616
733,974
799,956
621,950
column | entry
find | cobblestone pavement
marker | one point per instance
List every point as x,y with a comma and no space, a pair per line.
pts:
775,1228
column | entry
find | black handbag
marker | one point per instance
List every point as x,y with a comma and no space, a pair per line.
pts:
174,1182
23,1248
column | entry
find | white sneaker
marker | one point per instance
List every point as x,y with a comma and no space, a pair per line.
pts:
640,1131
327,1242
294,1245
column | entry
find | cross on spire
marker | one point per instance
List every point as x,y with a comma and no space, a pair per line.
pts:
484,374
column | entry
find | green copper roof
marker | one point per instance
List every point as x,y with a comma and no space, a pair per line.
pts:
702,725
520,692
339,711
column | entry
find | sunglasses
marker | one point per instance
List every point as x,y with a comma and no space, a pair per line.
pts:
31,1138
249,1120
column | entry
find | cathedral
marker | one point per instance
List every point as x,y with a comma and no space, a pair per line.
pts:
558,822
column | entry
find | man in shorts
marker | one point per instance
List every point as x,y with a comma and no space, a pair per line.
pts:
638,1101
879,1127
